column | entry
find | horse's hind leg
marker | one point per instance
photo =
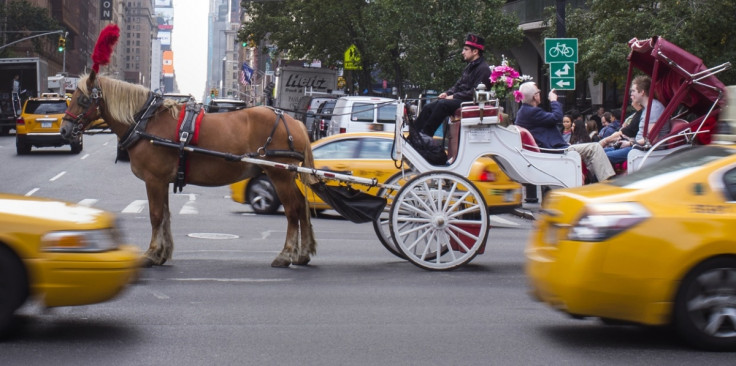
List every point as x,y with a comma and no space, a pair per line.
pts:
162,243
293,202
307,245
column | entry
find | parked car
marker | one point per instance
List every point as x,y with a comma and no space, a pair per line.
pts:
321,120
180,98
225,105
60,254
40,122
306,108
362,113
368,155
655,247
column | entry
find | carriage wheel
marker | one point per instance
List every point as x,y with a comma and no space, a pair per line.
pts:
439,221
381,225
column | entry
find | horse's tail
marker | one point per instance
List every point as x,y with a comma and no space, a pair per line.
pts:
307,178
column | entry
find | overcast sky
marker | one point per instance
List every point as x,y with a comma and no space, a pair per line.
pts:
189,43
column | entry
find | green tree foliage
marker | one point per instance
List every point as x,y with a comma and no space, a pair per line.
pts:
701,27
23,16
411,42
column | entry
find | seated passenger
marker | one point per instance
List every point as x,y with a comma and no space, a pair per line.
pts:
634,132
543,126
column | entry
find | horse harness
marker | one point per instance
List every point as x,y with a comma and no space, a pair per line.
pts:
190,119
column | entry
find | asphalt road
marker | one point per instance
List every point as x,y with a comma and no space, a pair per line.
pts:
218,302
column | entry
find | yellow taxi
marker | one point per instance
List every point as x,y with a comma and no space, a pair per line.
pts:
40,122
368,155
655,247
59,254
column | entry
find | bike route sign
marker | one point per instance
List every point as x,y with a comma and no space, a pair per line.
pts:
561,54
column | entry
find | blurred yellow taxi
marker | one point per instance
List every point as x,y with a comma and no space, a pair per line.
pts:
656,247
368,155
59,254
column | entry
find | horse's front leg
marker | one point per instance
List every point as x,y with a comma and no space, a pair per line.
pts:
162,243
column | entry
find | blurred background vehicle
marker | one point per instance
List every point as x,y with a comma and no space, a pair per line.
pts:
181,98
306,108
655,247
225,105
40,122
362,113
59,254
368,155
321,120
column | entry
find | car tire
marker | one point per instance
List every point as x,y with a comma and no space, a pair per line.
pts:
262,197
77,146
704,305
13,288
22,148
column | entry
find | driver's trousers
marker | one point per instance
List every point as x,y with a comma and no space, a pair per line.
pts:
433,114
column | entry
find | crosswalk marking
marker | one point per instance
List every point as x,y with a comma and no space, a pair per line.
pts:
136,206
89,202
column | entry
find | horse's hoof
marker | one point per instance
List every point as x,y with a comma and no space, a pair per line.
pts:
280,263
146,262
301,261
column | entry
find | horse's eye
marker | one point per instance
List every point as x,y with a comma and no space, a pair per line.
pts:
83,101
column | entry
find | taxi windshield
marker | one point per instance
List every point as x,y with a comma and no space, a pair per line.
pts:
45,107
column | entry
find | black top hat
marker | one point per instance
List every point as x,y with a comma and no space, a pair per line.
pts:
475,41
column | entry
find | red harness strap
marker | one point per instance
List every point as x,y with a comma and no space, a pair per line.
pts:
181,180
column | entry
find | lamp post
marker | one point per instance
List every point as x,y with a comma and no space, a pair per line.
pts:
222,82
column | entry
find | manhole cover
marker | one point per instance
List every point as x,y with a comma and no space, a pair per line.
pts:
218,236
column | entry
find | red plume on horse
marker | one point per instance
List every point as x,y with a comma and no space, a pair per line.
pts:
138,117
104,46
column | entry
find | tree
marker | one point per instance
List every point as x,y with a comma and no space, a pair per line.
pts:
23,16
699,26
408,41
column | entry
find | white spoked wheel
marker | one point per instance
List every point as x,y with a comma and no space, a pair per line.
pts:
439,221
382,224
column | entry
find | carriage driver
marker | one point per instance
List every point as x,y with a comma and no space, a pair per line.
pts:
543,126
476,72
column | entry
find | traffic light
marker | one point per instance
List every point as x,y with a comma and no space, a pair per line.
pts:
213,91
62,43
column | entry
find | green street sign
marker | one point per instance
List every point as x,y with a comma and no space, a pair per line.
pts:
562,75
562,83
560,50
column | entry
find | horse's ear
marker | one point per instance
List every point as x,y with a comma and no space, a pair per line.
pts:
91,80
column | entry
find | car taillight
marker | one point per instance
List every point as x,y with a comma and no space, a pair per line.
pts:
343,130
601,221
487,176
20,121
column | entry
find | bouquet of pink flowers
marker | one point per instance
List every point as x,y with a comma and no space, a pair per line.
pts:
505,81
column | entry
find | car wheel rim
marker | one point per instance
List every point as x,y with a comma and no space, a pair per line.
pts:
712,302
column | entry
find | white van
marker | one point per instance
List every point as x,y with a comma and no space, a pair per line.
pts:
362,113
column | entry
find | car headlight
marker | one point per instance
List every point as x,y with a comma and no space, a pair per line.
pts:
602,221
81,241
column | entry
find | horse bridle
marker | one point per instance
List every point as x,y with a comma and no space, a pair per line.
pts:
92,105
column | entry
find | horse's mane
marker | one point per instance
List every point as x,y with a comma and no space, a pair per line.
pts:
122,99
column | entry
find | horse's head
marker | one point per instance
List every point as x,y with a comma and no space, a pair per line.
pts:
83,108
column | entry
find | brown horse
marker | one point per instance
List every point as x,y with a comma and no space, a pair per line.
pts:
240,132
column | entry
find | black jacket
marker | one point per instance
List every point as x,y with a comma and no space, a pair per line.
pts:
475,73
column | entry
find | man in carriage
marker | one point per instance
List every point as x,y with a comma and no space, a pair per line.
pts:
543,127
476,72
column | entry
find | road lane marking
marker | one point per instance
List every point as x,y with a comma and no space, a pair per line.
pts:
159,295
32,191
136,206
89,202
501,221
57,176
84,157
188,209
242,280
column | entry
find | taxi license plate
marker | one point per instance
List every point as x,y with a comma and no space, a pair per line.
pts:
551,235
375,127
45,124
508,196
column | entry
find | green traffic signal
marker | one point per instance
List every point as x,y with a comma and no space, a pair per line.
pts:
62,44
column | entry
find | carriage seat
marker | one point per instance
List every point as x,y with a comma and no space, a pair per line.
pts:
527,140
